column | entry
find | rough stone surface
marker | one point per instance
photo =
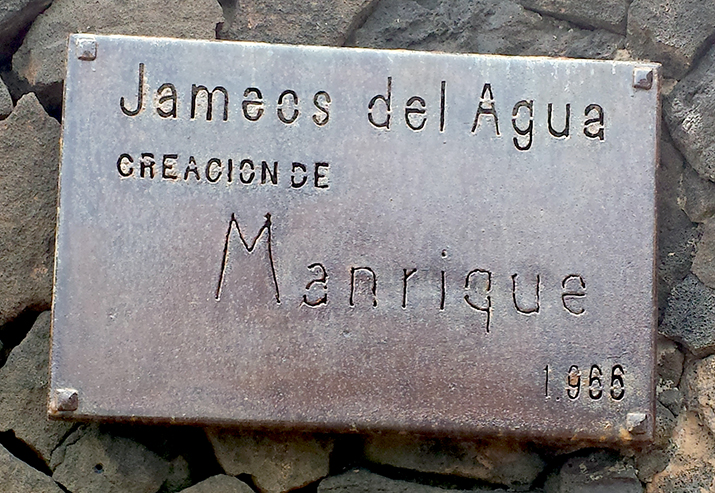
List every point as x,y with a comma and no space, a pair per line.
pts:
219,484
23,392
669,360
18,477
479,26
673,32
361,481
677,236
90,461
696,196
690,316
699,389
671,398
651,462
41,58
655,458
15,16
5,101
29,154
500,462
277,463
165,459
690,113
599,472
664,424
316,22
606,14
691,468
704,261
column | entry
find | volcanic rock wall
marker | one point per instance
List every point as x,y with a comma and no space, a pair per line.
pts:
37,455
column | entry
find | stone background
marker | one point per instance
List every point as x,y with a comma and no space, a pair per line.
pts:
41,456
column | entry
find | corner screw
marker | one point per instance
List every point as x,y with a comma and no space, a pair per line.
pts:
65,400
637,423
86,47
642,78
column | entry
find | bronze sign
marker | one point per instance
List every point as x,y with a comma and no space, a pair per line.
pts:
355,239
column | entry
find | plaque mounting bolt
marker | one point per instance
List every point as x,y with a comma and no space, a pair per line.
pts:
637,423
86,47
64,400
642,78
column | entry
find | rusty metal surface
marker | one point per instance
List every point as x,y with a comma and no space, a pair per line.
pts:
301,263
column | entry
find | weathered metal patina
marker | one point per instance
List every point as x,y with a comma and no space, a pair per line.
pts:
354,239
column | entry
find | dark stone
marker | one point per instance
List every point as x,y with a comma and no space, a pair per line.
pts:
23,392
699,389
276,462
672,399
605,14
15,18
673,33
690,316
690,113
599,472
677,235
5,101
219,484
690,468
323,22
670,361
664,424
29,154
90,461
704,261
185,448
18,477
361,481
696,196
480,26
504,461
651,462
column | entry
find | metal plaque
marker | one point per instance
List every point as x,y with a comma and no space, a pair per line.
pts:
349,239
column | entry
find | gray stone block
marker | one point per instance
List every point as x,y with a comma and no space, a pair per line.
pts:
696,196
41,58
18,477
6,105
323,22
15,16
29,156
677,235
669,360
361,481
219,484
699,388
480,26
276,462
673,32
600,472
690,316
91,461
704,261
23,392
